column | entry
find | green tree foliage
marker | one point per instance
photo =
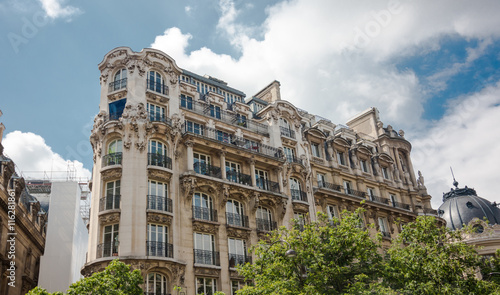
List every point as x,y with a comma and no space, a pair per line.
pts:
331,257
116,279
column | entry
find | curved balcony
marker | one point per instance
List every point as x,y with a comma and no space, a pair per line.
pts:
106,250
159,249
117,85
109,202
160,203
237,219
112,159
202,213
298,195
159,160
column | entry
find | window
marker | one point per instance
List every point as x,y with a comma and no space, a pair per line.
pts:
156,113
364,166
223,136
300,219
233,171
158,196
186,102
403,162
296,191
234,213
371,193
206,286
341,158
384,228
157,154
241,120
261,179
115,146
289,154
156,83
204,245
264,219
112,196
237,252
332,211
321,179
215,111
120,80
284,123
203,207
385,172
157,241
285,129
194,128
201,163
116,109
393,200
347,187
156,284
109,247
315,150
235,286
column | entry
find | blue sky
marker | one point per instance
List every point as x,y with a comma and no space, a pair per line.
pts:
432,69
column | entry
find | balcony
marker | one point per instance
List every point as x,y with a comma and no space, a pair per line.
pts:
117,85
294,159
287,132
157,87
112,159
378,199
206,257
266,224
238,177
355,193
109,202
159,249
224,116
237,220
430,211
159,160
159,203
237,259
298,195
207,169
235,141
106,250
202,213
330,186
386,234
268,185
401,205
160,118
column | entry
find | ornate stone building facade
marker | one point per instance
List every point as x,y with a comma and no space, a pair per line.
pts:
22,231
188,174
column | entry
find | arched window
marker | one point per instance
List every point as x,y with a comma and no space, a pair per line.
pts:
235,214
156,82
296,190
157,154
264,219
285,129
156,284
203,207
120,80
114,154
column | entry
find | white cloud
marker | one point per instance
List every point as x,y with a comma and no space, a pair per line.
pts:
337,58
188,9
35,159
55,9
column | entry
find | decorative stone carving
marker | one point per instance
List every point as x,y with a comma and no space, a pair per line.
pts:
109,218
159,175
238,233
210,272
109,174
188,186
159,218
205,227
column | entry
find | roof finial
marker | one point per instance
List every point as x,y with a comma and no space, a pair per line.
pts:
455,183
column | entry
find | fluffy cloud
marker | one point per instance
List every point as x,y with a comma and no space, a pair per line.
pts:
35,159
55,9
337,58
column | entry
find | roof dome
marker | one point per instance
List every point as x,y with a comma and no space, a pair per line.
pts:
461,205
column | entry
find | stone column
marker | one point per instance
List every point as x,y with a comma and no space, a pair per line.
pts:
222,155
190,158
251,161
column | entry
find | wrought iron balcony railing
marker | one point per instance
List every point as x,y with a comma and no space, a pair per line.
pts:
159,203
117,85
298,195
238,177
109,202
207,169
294,159
112,159
237,259
378,199
159,160
268,185
237,219
203,213
159,249
355,193
265,224
206,257
287,132
401,205
106,250
160,118
330,186
157,87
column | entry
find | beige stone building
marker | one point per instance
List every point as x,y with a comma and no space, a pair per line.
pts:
22,231
189,173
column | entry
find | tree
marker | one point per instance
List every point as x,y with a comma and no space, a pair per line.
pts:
331,257
429,259
116,279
